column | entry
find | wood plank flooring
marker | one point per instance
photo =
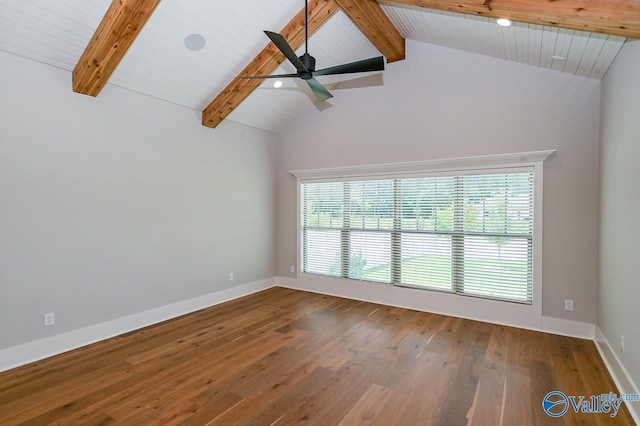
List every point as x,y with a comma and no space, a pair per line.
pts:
283,357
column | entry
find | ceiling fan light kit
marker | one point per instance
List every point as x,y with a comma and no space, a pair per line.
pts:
306,64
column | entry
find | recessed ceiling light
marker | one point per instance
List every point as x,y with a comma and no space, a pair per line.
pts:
558,58
195,42
277,84
503,22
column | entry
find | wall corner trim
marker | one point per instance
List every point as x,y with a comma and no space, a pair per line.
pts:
39,349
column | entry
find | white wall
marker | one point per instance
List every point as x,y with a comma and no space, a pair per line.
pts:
114,205
441,103
619,292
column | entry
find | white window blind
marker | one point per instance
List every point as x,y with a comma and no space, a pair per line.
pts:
468,234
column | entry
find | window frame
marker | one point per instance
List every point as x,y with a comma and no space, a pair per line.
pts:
489,164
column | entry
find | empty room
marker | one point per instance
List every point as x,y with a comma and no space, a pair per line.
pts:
327,212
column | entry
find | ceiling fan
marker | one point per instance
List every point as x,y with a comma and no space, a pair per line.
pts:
306,64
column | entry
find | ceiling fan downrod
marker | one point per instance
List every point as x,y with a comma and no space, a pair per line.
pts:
306,27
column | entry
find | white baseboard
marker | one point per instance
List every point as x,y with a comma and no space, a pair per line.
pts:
565,327
513,314
510,314
619,374
54,345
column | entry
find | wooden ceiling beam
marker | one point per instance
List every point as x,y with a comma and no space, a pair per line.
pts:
615,17
369,17
119,27
320,11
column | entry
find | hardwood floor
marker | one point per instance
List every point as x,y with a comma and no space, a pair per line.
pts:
286,357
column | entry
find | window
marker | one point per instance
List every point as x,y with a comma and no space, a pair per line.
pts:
466,233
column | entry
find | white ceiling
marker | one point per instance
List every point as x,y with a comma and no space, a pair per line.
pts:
158,63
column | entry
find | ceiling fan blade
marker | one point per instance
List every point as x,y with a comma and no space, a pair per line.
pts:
286,50
319,91
366,65
252,77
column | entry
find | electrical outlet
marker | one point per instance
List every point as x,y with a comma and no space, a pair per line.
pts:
230,276
49,319
292,269
622,343
568,305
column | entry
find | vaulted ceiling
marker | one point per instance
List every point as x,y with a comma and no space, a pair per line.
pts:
140,44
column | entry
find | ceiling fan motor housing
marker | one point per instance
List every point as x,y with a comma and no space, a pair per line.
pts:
309,63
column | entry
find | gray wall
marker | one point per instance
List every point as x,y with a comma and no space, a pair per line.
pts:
442,103
118,204
619,291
